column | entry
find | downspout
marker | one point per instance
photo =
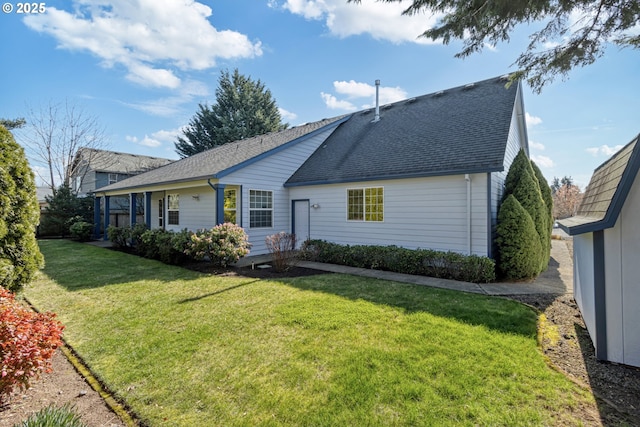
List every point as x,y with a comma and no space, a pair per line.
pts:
219,190
467,178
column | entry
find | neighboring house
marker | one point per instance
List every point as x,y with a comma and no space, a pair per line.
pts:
42,193
426,172
93,168
606,244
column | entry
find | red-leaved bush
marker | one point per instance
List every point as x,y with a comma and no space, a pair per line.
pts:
28,341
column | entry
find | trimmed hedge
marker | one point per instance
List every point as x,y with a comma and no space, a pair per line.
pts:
422,262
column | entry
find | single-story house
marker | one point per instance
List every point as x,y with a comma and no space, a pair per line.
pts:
606,242
425,172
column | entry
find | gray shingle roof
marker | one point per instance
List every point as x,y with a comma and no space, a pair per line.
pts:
607,190
215,162
460,130
115,162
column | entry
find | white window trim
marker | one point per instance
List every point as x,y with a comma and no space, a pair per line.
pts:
170,209
364,207
262,209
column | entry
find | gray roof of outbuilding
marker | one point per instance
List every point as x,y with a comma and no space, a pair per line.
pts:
459,130
218,161
607,191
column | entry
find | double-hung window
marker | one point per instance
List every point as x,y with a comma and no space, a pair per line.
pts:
173,209
113,178
260,209
365,204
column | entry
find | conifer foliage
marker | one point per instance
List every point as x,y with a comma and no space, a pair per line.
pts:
20,257
518,242
522,254
243,108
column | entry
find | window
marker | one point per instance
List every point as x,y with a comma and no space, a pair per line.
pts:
161,213
230,206
173,209
260,209
365,204
113,178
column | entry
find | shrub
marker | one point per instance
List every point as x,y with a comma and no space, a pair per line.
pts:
20,257
282,247
166,246
424,262
62,209
28,341
519,247
525,182
179,243
223,245
119,236
81,231
137,231
52,416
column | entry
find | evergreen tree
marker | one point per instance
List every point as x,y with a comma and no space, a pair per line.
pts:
576,42
243,108
63,208
20,256
518,242
547,197
522,183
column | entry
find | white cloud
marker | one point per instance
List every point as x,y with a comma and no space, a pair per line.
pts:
157,139
380,20
152,39
335,104
532,120
536,145
287,115
353,90
543,161
171,105
604,150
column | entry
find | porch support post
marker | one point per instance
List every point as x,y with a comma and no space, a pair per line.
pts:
96,217
147,208
106,216
219,202
132,208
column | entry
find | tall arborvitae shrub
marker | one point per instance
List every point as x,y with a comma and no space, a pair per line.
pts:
523,184
528,194
519,246
520,164
545,190
20,257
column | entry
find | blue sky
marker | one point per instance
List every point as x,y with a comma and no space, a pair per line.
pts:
141,67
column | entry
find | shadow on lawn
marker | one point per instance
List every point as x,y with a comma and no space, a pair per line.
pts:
474,309
78,266
230,288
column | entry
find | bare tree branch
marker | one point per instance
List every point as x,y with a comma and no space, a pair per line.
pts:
54,135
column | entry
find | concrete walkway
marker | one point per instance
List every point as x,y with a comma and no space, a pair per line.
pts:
558,279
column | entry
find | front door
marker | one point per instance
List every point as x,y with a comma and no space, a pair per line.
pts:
300,223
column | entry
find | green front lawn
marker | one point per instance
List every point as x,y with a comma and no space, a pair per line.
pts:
182,348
